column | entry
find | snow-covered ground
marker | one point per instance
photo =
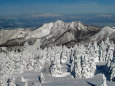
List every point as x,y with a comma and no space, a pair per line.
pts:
32,79
59,65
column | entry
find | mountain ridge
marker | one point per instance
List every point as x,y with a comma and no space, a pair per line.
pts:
56,33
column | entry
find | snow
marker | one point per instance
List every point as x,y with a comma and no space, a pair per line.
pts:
55,27
20,33
106,31
78,25
76,65
62,81
104,83
23,79
41,32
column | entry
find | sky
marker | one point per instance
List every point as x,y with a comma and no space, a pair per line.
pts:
55,7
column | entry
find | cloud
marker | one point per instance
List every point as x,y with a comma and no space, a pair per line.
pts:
108,16
47,15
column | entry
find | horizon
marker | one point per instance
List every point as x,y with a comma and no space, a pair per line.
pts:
14,8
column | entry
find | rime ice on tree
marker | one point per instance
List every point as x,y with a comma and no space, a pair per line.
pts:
41,78
104,83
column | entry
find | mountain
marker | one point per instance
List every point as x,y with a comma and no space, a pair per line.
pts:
56,33
103,34
68,33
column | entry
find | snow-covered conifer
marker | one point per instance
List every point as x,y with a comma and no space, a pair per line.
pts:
41,78
23,79
55,69
84,63
110,52
102,52
12,83
96,51
64,54
26,84
104,83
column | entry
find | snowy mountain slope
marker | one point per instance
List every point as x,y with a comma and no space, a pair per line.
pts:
64,33
55,28
41,32
103,34
56,33
12,34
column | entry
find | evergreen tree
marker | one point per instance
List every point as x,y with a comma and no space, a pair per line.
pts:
104,83
12,83
41,78
55,69
102,52
96,51
26,84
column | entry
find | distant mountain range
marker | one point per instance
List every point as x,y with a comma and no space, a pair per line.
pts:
56,33
35,21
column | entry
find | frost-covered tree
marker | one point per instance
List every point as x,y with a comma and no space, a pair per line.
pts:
107,42
110,52
64,54
83,65
80,58
106,48
112,70
77,69
96,51
12,83
71,55
91,57
26,84
64,58
37,84
41,78
112,74
23,79
55,69
88,66
102,52
3,80
18,62
10,61
104,83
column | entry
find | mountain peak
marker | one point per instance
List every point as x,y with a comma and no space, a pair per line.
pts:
108,30
104,32
59,22
78,25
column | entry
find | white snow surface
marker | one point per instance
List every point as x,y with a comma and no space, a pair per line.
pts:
75,66
105,32
55,27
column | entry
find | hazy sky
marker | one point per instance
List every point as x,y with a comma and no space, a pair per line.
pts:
60,7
